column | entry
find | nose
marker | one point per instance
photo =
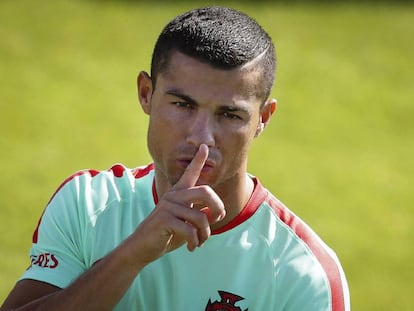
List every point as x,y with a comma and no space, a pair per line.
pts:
201,130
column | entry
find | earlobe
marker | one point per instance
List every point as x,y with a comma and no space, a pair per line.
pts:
144,85
259,129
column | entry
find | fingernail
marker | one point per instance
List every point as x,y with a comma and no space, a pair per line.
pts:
221,216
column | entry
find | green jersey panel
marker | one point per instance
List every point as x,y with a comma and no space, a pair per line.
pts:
265,259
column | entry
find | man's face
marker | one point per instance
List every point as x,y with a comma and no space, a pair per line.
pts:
194,103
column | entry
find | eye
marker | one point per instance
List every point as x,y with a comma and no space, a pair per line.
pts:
230,115
183,105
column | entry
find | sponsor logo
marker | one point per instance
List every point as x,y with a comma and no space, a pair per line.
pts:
45,260
227,303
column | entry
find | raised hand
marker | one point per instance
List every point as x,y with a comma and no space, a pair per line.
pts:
174,221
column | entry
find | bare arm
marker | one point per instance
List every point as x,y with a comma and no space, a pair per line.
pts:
171,224
26,291
100,288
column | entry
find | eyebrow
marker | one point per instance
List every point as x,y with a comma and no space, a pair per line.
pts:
190,100
179,94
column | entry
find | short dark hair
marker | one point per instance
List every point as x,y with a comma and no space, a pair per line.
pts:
222,37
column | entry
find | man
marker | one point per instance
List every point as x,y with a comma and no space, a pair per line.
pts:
192,231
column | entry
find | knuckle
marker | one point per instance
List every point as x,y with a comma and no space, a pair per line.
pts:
189,232
206,190
201,219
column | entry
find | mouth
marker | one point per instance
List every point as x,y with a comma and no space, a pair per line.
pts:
208,165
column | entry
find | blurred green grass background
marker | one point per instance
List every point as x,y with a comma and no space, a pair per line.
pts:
339,151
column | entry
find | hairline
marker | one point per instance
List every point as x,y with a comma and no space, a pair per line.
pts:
249,66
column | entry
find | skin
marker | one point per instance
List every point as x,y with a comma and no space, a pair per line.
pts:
202,123
194,103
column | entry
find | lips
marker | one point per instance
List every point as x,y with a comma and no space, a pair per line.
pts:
185,154
185,161
207,167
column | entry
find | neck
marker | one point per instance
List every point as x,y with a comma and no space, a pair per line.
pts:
235,200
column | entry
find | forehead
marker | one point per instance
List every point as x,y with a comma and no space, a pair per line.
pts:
207,83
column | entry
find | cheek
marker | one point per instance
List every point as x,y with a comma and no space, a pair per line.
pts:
163,134
156,138
161,123
236,146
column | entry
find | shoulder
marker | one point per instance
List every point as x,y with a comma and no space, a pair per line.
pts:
92,191
89,190
304,254
115,171
115,175
308,255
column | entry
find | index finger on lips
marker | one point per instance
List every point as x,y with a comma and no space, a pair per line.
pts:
193,170
206,200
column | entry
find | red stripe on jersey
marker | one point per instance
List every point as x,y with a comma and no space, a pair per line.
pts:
329,265
118,170
325,259
142,171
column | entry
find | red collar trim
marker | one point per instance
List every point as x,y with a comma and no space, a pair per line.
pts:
257,197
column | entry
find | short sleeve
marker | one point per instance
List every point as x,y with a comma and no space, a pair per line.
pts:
56,253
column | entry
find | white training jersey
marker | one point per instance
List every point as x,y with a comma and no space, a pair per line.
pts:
264,259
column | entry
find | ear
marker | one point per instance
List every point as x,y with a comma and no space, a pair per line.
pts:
266,113
144,85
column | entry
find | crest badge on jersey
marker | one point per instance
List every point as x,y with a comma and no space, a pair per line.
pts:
227,303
